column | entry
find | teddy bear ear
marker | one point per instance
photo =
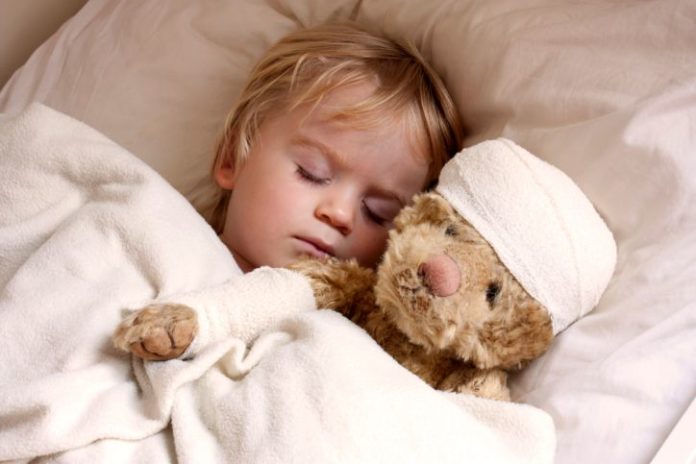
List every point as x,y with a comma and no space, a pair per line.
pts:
428,207
513,339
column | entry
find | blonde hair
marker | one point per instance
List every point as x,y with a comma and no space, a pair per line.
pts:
306,65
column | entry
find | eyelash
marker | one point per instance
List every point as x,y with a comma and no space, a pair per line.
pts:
314,180
309,177
373,217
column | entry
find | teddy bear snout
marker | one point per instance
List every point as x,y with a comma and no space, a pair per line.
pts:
440,274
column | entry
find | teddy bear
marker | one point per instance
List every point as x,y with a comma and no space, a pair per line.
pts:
477,279
441,303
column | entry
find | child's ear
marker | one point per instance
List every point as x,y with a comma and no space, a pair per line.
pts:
224,174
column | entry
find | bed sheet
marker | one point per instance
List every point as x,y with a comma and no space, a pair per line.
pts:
603,90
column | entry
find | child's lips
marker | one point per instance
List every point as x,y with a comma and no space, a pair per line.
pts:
315,247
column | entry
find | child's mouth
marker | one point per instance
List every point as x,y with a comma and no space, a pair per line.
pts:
315,247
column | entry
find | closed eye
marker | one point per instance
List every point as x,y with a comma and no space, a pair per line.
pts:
311,178
451,231
374,217
381,209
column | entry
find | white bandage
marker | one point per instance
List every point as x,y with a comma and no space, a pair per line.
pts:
541,225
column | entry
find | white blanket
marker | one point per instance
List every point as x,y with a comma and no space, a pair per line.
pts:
87,230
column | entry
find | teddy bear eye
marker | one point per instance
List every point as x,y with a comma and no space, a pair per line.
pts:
492,292
451,231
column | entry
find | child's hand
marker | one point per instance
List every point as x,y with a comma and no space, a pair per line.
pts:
157,332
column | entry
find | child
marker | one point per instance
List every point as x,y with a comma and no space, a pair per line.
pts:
335,131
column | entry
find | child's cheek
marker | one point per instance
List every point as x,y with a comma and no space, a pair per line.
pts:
369,246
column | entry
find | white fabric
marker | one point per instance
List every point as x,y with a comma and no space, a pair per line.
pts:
542,227
605,92
602,90
86,230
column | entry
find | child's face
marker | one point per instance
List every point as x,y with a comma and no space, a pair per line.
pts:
313,186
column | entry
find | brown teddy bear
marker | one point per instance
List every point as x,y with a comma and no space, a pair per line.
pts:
441,302
477,278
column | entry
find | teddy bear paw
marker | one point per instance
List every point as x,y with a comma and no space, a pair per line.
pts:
490,384
157,332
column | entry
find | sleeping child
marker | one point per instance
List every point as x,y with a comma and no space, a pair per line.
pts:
336,130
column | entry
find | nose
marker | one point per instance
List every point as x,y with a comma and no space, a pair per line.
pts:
441,275
338,211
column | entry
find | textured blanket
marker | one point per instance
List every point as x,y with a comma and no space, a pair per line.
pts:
87,231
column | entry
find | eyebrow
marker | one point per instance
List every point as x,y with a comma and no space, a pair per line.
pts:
339,160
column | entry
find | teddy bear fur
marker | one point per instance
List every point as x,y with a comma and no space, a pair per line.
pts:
440,302
464,340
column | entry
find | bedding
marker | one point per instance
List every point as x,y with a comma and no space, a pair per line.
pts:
313,388
602,90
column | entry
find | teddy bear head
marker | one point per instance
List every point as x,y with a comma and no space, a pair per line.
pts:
443,286
502,256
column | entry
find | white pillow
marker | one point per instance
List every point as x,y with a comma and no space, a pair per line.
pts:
584,85
160,77
603,90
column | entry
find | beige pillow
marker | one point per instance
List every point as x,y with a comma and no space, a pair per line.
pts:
159,77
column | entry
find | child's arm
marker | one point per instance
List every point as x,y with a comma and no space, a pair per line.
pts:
242,307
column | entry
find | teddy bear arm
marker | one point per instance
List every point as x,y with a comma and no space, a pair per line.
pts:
484,383
445,373
341,285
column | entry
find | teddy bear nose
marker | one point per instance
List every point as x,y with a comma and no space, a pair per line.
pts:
440,274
